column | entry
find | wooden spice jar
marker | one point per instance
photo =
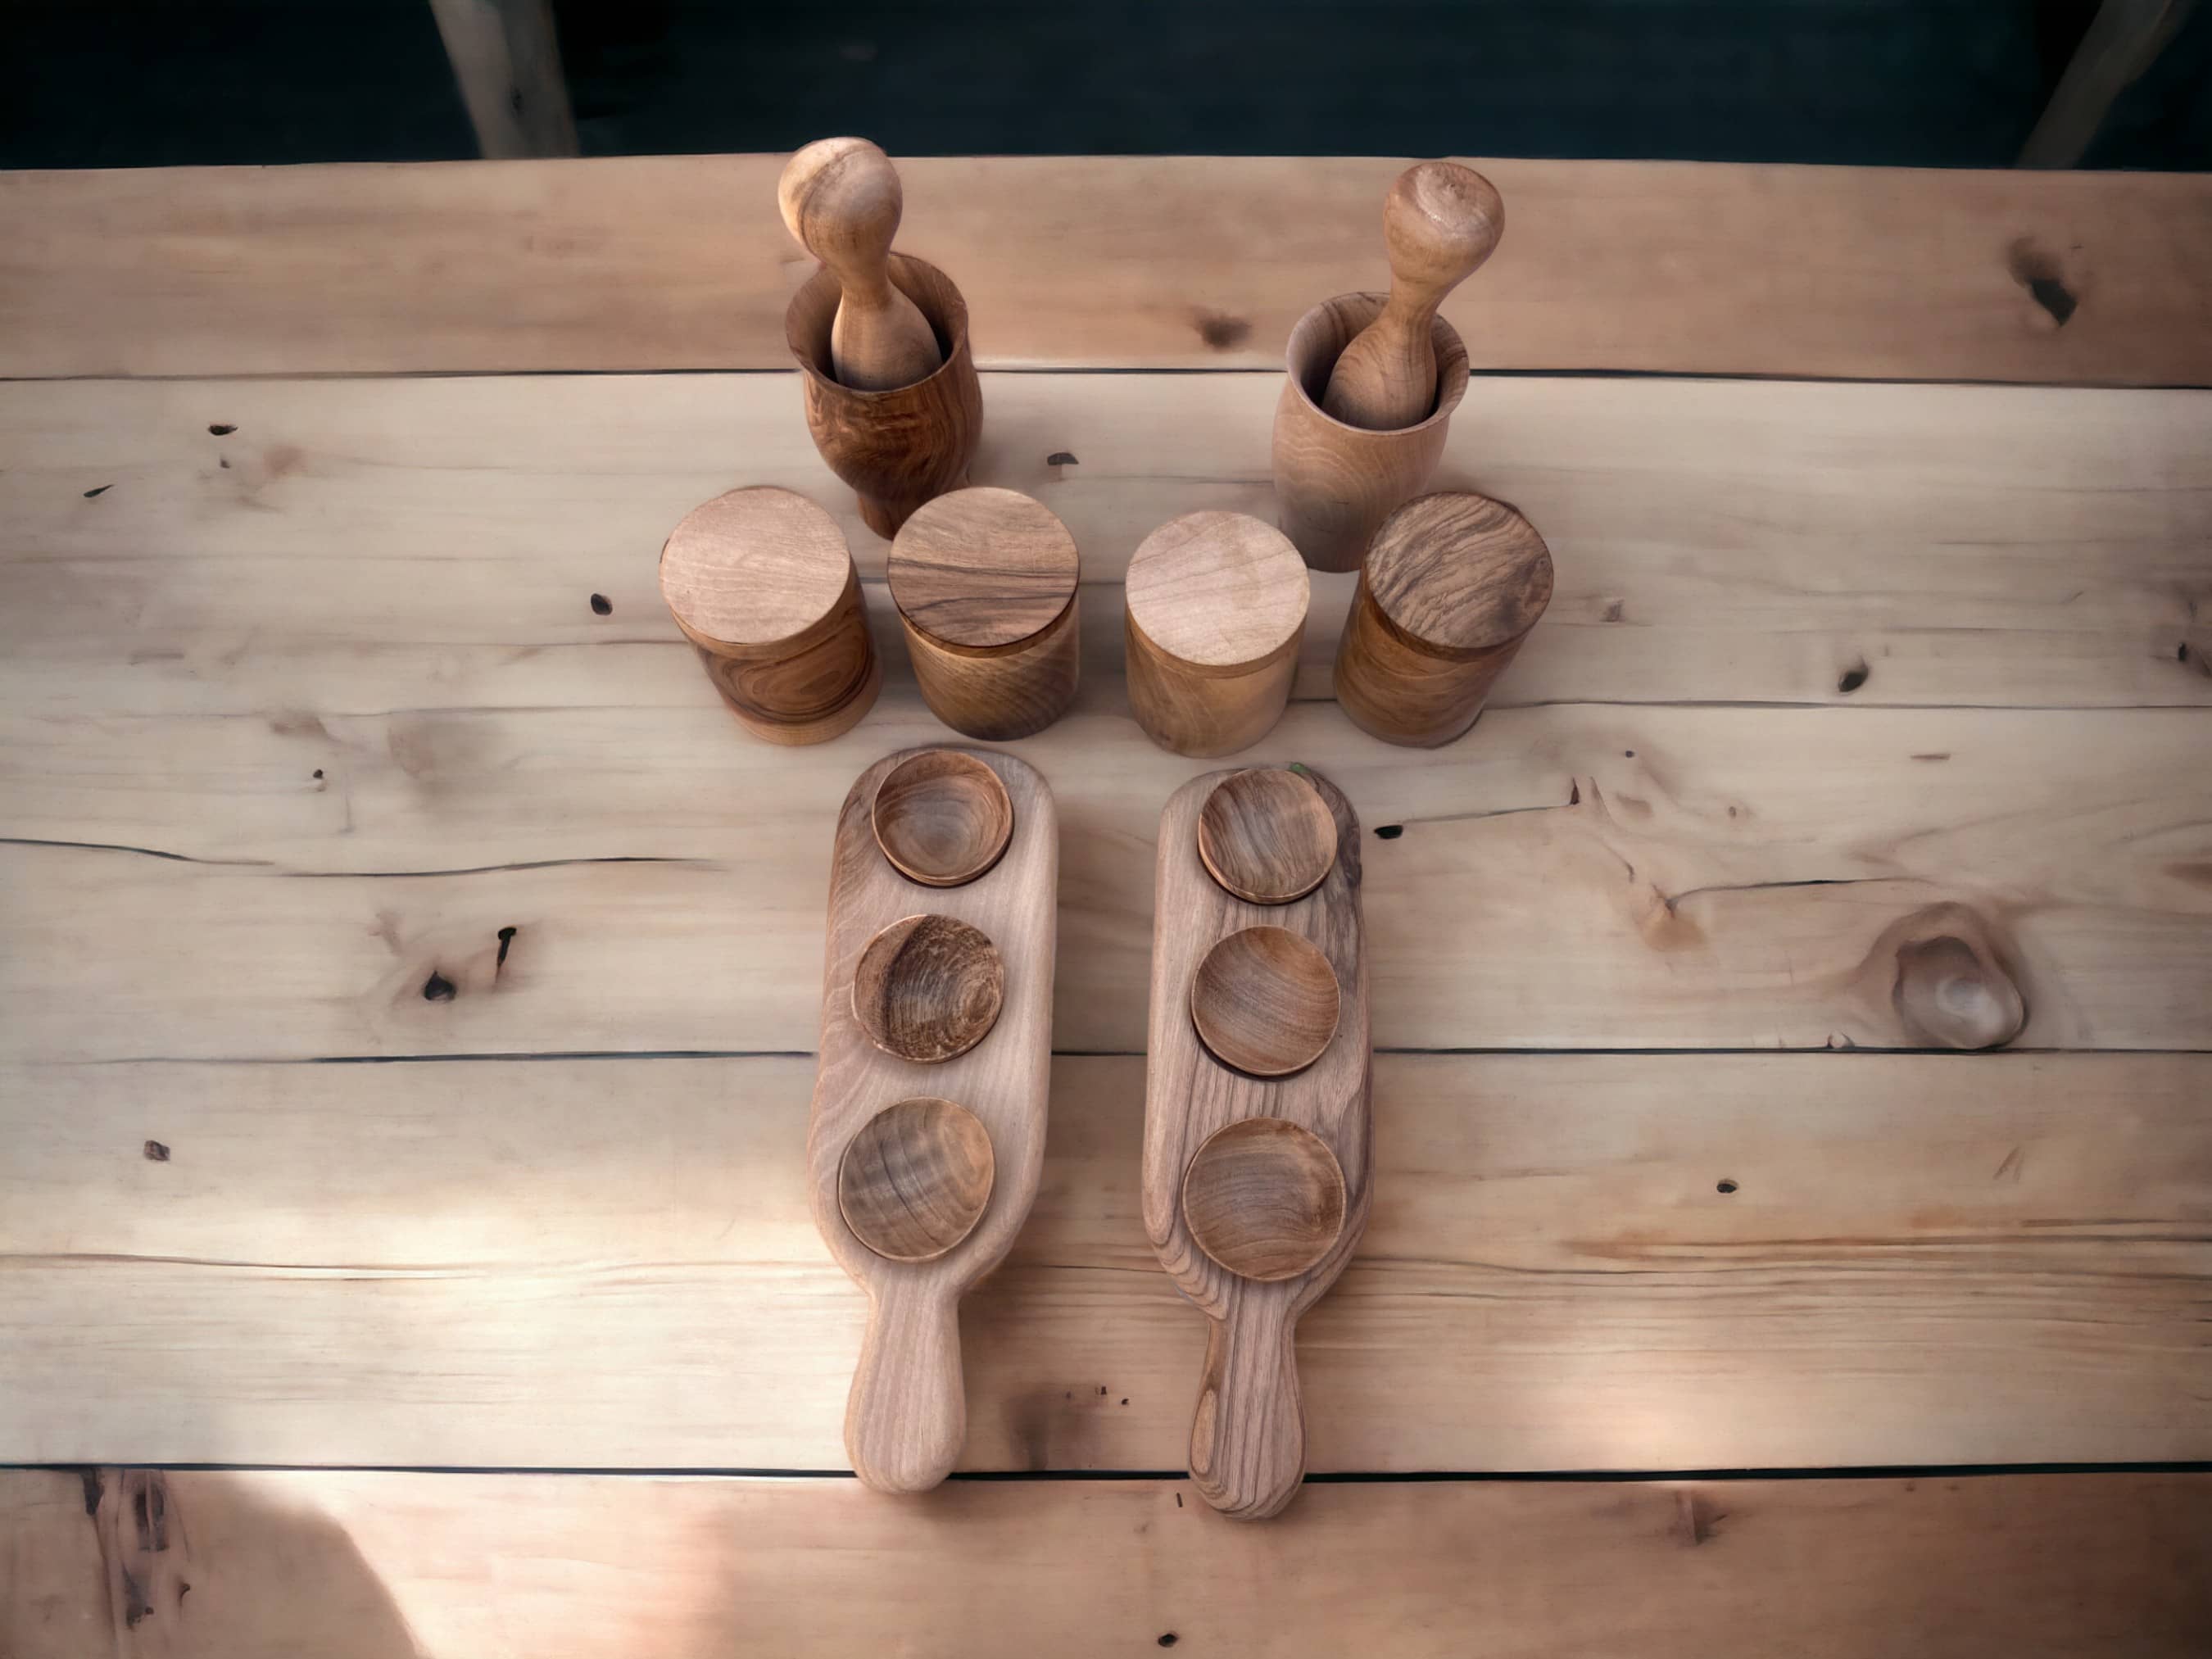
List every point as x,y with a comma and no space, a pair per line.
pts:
1217,608
985,581
1450,586
761,581
901,448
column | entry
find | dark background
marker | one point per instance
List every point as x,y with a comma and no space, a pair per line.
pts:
1919,82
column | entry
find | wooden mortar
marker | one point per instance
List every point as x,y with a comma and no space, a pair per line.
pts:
1217,606
985,582
761,582
1450,589
902,447
1335,483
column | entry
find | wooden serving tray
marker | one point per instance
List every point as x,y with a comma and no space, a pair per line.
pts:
906,1417
1247,1440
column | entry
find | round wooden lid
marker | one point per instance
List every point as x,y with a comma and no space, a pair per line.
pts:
983,568
1459,571
754,567
1219,589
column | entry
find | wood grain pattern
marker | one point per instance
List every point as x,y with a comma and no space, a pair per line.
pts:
1248,1438
928,988
1952,987
369,1565
1217,606
913,1184
761,581
631,848
1336,482
1267,836
273,767
840,199
942,818
822,690
1447,593
1440,222
905,1419
896,446
679,262
982,570
1265,1001
985,583
753,569
1002,695
1999,1258
1986,546
1264,1198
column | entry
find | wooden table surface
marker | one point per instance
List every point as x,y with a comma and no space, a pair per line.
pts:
411,972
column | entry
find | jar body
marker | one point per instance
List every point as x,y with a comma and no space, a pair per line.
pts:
1201,711
1406,691
1007,692
806,690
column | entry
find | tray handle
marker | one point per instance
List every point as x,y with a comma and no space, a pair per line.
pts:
907,1414
1247,1441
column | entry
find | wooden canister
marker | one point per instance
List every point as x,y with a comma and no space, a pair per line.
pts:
761,581
1450,586
1334,482
1216,607
901,448
985,581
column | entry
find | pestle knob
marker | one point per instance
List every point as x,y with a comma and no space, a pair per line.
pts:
840,198
1440,222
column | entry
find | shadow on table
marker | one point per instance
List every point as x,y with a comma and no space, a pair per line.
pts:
130,1560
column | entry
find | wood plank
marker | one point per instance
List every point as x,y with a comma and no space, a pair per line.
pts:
354,545
2124,39
390,586
1618,877
506,57
361,1566
680,263
610,1263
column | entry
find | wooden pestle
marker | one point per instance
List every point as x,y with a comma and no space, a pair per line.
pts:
840,198
1440,222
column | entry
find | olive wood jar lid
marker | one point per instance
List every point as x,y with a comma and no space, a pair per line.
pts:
984,569
749,572
1459,573
1219,590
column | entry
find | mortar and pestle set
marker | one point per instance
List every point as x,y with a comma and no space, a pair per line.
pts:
926,1135
985,581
